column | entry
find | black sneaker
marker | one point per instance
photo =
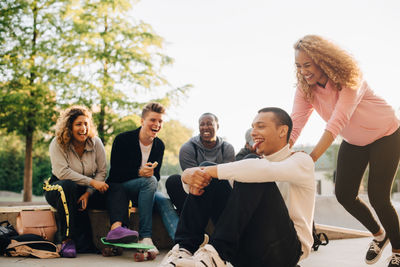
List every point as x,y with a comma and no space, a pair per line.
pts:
375,250
394,260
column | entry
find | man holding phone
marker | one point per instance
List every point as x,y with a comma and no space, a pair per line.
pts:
136,159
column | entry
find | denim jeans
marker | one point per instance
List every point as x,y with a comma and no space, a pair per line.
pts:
143,188
168,214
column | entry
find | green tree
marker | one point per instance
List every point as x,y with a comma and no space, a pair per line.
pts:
12,163
116,59
126,123
30,71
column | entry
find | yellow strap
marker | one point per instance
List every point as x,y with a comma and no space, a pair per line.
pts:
48,187
129,208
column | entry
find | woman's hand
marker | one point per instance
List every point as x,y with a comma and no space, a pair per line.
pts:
83,201
99,186
324,142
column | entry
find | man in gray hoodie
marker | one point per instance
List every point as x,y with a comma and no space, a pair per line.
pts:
205,147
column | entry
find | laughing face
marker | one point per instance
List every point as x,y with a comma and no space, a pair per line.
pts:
80,129
208,127
267,135
311,72
151,125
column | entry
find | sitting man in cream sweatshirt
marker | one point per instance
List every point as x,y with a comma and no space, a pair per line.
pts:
256,226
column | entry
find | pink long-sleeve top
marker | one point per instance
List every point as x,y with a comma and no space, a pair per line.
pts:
359,116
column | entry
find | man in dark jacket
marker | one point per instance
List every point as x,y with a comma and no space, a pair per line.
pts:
136,159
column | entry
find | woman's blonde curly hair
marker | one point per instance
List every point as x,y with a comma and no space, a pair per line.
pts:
336,63
64,124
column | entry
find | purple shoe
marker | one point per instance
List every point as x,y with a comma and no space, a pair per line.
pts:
122,235
68,249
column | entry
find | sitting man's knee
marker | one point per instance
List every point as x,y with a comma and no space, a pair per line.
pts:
256,186
252,156
151,183
173,181
207,163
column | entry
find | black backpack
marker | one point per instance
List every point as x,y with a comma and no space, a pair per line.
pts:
30,245
320,239
6,232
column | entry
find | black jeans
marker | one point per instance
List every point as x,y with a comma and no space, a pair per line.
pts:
174,188
253,225
114,200
383,158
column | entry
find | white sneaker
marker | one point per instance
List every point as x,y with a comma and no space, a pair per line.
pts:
205,241
204,256
173,255
148,241
394,260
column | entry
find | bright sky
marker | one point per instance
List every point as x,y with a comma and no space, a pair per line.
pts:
239,55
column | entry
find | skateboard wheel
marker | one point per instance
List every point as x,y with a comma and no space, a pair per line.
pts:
111,251
138,256
119,251
106,252
151,256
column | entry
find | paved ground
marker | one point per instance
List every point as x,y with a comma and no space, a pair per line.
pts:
338,253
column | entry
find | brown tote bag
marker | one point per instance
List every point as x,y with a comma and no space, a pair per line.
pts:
38,222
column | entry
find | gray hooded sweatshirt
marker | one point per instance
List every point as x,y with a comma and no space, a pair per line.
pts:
193,152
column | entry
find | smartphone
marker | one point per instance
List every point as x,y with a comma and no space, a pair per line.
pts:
80,205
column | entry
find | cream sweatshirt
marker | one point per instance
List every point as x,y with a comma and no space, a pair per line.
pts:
294,169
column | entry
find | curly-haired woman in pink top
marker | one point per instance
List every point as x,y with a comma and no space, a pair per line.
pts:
330,81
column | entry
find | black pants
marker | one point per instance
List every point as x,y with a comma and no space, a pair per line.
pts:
114,200
253,225
383,158
174,188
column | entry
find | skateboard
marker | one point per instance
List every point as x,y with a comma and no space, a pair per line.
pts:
115,249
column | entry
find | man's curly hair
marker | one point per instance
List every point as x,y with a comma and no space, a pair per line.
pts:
336,63
64,125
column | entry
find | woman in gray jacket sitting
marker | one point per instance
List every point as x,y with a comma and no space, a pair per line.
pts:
79,169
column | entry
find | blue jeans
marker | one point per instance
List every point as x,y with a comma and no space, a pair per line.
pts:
143,189
168,214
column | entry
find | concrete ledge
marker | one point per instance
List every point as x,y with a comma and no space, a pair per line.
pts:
9,209
335,232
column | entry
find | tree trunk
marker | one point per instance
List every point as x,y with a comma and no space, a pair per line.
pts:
102,118
28,168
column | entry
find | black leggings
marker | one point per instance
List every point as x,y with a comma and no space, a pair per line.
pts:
78,227
383,157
